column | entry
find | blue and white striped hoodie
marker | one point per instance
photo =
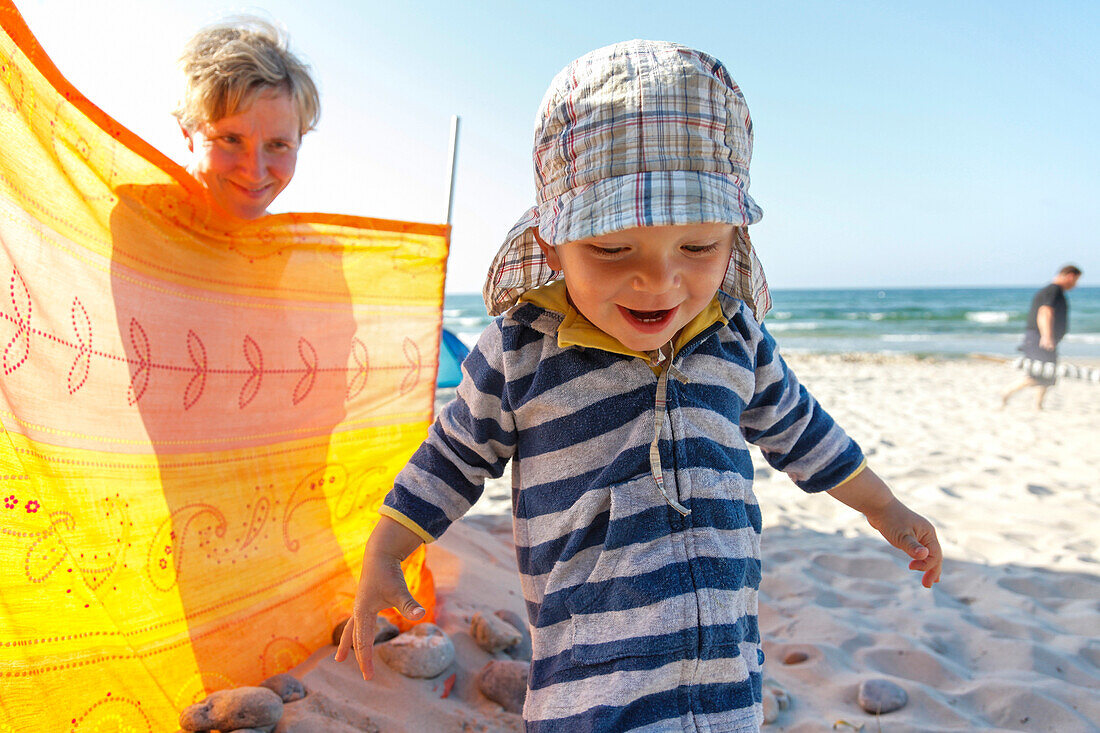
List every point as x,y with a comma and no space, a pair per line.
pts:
639,567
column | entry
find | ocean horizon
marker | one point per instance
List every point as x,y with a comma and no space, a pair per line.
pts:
941,321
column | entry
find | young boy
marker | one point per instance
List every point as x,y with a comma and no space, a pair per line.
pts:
627,371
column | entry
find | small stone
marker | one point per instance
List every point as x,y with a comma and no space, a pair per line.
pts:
383,630
338,631
492,633
233,709
422,651
795,657
522,650
771,710
777,692
879,696
265,729
286,686
504,681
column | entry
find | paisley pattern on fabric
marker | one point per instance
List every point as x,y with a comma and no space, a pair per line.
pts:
200,419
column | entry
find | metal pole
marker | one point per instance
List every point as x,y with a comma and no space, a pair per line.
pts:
454,160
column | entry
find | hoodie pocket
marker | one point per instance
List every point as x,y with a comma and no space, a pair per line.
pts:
638,599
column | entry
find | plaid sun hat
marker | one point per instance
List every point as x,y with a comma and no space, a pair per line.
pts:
641,133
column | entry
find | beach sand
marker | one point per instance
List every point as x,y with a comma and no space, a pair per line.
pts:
1009,640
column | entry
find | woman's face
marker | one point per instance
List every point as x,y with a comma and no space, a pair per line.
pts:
246,160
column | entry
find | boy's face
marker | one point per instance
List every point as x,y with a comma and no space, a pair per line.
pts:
643,285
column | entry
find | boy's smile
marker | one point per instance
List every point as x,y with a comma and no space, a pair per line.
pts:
643,285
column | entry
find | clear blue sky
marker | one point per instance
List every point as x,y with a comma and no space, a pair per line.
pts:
897,144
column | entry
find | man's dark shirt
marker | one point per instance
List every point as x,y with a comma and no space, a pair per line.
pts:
1055,297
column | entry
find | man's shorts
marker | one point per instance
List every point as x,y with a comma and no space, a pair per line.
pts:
1041,364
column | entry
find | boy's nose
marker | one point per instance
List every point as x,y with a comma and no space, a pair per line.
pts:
656,275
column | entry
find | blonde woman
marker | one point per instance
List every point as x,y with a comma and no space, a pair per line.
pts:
247,104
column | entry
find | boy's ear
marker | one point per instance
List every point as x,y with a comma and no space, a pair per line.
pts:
548,252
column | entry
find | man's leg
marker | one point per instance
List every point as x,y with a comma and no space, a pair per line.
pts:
1022,384
1042,393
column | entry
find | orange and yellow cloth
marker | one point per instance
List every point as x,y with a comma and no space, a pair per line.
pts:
199,421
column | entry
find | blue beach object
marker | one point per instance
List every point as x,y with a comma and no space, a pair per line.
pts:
451,353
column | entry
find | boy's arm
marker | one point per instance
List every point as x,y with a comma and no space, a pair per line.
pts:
381,585
793,432
901,526
473,439
799,438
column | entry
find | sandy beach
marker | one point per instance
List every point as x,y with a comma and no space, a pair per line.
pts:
1009,640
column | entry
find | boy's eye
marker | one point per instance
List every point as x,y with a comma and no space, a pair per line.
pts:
603,251
701,248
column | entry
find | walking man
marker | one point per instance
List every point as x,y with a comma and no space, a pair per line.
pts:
1047,322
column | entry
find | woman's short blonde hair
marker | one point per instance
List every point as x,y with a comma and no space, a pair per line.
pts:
228,64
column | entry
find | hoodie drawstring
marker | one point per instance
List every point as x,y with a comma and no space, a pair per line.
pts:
657,358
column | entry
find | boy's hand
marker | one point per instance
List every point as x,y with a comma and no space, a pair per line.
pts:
901,526
381,585
913,534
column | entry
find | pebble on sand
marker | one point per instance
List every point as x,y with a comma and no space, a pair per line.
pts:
795,657
522,650
422,651
229,710
879,696
383,630
338,631
504,681
492,633
776,699
776,690
771,710
286,686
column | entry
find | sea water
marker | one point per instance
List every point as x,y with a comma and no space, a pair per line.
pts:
931,321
